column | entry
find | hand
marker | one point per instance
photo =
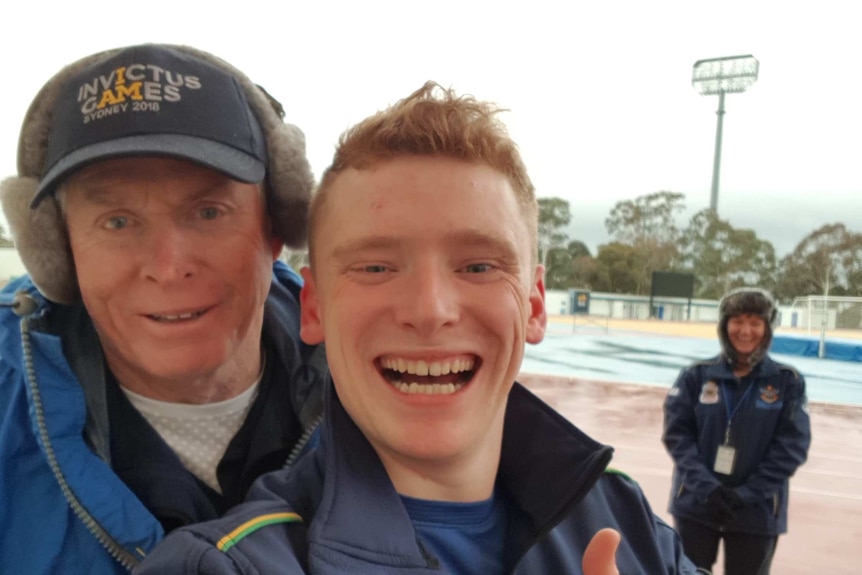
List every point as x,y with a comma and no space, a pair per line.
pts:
732,498
599,558
720,505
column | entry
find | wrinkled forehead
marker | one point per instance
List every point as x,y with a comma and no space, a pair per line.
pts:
118,181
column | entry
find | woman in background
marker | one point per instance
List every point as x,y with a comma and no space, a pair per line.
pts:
737,427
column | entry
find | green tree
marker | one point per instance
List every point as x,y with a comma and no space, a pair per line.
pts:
578,249
560,270
649,217
723,257
554,218
647,224
586,273
828,261
614,270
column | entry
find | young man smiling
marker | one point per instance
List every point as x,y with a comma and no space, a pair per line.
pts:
150,362
425,286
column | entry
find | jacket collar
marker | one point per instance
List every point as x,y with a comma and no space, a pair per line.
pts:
547,466
719,368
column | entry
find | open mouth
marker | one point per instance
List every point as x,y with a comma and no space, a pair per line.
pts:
177,318
435,377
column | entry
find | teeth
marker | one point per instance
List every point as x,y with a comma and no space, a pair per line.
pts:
177,317
424,368
433,389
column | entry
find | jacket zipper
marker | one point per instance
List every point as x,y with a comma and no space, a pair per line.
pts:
126,559
303,441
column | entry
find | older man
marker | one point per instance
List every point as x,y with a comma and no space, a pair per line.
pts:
150,365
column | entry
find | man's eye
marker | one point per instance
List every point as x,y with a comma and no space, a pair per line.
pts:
209,213
478,268
375,269
117,223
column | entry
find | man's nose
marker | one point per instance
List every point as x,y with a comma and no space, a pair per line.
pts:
169,254
430,299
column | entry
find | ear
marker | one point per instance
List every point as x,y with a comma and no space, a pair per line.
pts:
538,320
311,326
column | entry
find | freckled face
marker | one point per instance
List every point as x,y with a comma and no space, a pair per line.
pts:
425,293
174,262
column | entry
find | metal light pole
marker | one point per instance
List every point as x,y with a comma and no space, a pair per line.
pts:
731,74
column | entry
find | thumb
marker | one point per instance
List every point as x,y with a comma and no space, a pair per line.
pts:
599,556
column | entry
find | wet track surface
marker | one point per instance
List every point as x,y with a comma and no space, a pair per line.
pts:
612,385
656,360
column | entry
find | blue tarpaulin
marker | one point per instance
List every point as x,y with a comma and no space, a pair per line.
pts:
809,347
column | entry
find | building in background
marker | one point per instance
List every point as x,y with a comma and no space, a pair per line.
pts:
624,306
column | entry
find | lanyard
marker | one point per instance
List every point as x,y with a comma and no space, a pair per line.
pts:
731,413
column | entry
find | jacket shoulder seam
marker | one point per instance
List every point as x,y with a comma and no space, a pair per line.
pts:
255,523
619,473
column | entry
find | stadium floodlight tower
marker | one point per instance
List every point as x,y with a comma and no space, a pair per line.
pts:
728,75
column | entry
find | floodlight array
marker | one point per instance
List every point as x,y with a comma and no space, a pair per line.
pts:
731,74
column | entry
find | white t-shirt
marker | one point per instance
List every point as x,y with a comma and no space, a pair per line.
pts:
198,434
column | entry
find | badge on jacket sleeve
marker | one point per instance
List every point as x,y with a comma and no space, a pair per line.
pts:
709,393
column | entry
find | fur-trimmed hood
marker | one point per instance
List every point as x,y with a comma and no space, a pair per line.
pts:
40,233
741,301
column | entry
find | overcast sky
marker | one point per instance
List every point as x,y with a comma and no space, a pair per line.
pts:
600,92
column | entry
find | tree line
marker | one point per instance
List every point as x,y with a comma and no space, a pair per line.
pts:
645,238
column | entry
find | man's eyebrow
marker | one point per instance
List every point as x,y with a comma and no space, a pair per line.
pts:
98,195
482,238
367,243
471,237
101,193
218,189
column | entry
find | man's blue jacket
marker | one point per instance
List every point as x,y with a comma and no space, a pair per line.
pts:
63,509
335,510
770,432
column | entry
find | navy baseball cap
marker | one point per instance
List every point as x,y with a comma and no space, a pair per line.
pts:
150,100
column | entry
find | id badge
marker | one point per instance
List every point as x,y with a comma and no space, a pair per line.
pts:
724,459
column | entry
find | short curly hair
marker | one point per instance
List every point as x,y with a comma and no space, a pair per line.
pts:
432,121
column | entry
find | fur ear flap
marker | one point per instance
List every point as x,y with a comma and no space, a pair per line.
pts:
41,239
290,182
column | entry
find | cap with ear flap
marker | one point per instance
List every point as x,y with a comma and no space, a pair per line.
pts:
180,102
747,300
